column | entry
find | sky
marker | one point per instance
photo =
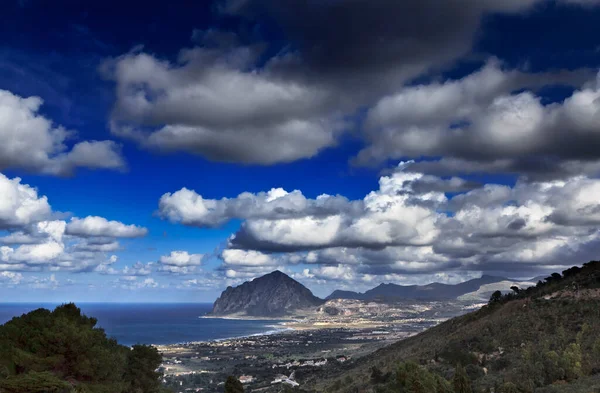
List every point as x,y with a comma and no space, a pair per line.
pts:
160,152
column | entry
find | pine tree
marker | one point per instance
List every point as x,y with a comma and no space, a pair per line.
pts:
461,381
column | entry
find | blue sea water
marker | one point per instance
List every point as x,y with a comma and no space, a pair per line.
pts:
164,323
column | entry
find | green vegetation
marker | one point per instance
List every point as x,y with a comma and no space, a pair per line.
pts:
233,385
461,381
62,351
542,339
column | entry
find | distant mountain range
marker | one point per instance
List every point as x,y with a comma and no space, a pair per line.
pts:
434,291
277,294
274,294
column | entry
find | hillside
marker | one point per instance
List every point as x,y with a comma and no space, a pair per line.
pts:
542,339
62,351
274,294
437,291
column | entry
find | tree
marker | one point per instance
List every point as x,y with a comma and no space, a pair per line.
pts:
571,361
442,386
552,371
461,382
509,387
554,277
233,385
140,374
571,271
412,378
496,297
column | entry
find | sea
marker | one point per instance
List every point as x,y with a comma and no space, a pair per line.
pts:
163,323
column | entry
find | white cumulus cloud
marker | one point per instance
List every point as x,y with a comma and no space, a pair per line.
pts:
100,226
32,142
20,204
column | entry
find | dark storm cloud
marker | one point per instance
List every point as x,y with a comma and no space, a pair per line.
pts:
291,93
352,38
417,268
531,168
477,124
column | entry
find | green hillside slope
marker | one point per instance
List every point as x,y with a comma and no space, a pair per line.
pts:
543,339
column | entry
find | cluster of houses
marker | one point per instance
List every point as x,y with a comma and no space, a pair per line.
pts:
310,363
291,379
246,379
305,363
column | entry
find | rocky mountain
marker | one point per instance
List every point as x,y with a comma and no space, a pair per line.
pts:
425,292
340,294
274,294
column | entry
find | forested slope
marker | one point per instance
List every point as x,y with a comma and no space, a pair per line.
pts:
63,351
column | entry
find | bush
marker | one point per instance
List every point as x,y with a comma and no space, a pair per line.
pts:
233,385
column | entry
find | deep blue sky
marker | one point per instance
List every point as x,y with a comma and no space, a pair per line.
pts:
55,50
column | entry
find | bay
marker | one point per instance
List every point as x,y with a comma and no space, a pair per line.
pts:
155,323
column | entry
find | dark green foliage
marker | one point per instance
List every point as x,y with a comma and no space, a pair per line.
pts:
474,372
454,354
571,272
140,374
496,297
64,351
461,381
554,277
377,376
233,385
35,382
409,377
509,387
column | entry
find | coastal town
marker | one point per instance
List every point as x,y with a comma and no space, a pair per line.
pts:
268,360
333,335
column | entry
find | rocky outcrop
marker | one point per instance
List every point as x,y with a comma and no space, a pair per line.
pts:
275,294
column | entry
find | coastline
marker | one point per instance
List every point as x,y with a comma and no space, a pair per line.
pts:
284,327
244,317
301,323
271,332
274,330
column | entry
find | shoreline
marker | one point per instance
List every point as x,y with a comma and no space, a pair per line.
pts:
240,317
267,333
281,328
275,329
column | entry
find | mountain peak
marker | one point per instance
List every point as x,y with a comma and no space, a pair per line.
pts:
275,273
274,294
